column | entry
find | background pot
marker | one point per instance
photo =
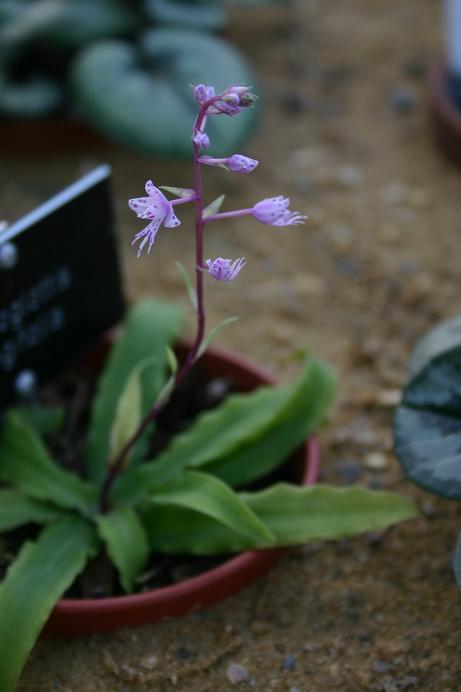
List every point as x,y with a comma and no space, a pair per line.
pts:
82,616
446,117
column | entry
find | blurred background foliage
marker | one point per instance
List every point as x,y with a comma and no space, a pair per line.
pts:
123,66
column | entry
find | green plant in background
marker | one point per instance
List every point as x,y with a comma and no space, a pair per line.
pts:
427,428
124,67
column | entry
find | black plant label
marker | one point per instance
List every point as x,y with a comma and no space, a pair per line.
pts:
60,285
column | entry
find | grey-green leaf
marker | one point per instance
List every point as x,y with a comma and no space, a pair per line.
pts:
198,491
427,426
17,509
293,514
126,543
33,585
140,95
149,328
26,465
203,15
444,337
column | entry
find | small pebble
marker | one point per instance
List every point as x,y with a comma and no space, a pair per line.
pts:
148,662
237,674
375,461
348,471
382,667
403,101
289,662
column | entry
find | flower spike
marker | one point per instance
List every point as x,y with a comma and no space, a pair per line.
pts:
225,269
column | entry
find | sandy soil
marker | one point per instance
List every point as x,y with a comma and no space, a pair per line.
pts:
375,266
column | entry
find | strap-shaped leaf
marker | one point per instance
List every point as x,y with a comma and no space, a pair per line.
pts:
457,562
26,465
43,419
215,434
17,509
303,412
129,411
32,586
293,515
244,438
126,543
210,496
149,328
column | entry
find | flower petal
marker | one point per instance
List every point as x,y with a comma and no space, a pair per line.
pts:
171,220
138,204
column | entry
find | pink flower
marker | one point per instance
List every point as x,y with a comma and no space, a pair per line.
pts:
241,164
158,209
225,269
274,211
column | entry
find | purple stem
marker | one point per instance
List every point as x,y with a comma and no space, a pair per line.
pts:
117,465
228,215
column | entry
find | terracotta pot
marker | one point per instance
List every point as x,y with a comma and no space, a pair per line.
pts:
76,617
40,137
446,117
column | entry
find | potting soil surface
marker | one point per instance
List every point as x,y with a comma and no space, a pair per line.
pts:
346,135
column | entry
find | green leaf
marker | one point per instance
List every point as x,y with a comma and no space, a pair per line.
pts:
210,496
457,562
244,438
126,542
427,426
33,585
35,97
45,421
149,328
188,284
302,413
139,95
26,465
179,192
293,514
216,433
16,509
444,337
213,207
128,414
69,24
214,332
203,15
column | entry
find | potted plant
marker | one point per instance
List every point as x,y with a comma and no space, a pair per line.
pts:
427,423
205,491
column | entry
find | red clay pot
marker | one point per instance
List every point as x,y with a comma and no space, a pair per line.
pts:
446,118
76,617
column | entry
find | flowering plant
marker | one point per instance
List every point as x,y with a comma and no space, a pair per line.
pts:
134,503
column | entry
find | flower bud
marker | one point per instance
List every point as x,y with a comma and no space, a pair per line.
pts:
241,164
201,139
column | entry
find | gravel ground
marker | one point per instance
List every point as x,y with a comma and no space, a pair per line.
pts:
347,136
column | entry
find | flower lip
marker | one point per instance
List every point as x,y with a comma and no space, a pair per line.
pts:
274,211
225,269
